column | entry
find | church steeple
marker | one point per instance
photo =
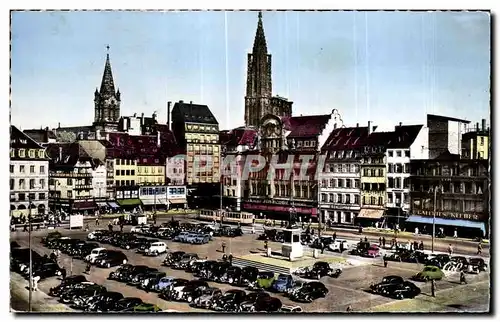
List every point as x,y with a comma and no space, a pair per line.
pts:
259,84
107,100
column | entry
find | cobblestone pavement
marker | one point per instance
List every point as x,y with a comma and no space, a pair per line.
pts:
348,290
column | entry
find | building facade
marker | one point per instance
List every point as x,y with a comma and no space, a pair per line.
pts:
340,199
460,190
99,181
29,175
476,143
445,134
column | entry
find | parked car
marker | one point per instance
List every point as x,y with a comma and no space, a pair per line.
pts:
336,245
144,308
69,280
264,281
60,291
438,260
172,258
290,309
320,269
249,304
156,249
183,293
207,298
249,275
400,290
372,251
184,261
477,265
144,247
200,239
267,305
112,258
230,301
387,280
125,303
78,296
103,302
163,283
309,292
429,273
282,283
45,270
123,269
231,275
181,237
96,234
129,275
139,278
169,293
94,254
151,280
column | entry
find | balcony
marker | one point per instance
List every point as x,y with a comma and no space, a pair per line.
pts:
80,186
70,175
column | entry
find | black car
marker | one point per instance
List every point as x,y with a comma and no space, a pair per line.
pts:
387,280
125,303
477,265
123,269
150,280
438,260
232,275
267,304
321,269
249,275
129,275
169,292
78,296
63,290
173,258
399,291
112,258
200,268
69,280
249,304
461,260
207,297
47,269
319,242
195,266
188,292
185,260
103,302
230,301
309,292
143,247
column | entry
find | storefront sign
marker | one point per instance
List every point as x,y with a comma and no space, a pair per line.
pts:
262,207
451,215
280,202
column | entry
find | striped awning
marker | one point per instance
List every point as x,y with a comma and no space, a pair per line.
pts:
371,213
177,201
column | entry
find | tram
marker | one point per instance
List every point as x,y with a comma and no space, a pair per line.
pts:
244,218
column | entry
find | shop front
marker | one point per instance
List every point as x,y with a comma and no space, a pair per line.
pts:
176,197
280,209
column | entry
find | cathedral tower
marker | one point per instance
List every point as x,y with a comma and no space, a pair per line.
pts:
106,100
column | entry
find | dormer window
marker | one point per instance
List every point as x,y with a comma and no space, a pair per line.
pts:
12,153
31,154
41,154
22,153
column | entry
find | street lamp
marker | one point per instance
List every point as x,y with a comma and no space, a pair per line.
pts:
31,257
436,188
319,211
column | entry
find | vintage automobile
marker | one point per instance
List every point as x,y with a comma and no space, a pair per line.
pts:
249,275
207,298
69,280
102,302
156,249
200,239
188,290
78,296
429,273
476,265
391,279
195,266
231,275
111,258
181,237
230,301
290,309
267,304
144,247
184,261
282,283
151,280
339,245
309,292
264,281
372,251
249,304
169,293
143,308
399,290
96,234
124,304
129,275
45,270
123,269
215,271
172,258
320,269
439,260
319,242
94,254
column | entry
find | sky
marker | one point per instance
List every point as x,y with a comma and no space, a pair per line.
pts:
384,67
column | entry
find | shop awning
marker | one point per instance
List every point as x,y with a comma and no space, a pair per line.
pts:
177,201
448,222
150,202
371,213
162,201
83,205
102,204
129,202
113,204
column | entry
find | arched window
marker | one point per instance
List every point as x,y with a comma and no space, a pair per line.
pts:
21,207
12,207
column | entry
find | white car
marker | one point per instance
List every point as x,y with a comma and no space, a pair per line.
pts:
94,253
157,249
138,229
92,235
335,246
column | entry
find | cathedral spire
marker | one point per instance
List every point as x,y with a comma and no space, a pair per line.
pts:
259,44
107,84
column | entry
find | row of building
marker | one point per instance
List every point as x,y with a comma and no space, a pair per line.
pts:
354,175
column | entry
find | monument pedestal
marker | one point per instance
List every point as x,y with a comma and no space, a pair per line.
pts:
291,246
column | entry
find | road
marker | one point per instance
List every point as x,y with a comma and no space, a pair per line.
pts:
347,290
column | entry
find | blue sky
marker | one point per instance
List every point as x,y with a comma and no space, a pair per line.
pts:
387,67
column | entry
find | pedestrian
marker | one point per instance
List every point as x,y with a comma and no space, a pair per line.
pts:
224,258
334,236
380,241
12,227
450,250
433,287
25,227
35,282
385,261
455,234
63,273
121,227
97,221
462,278
366,240
479,249
421,245
224,247
383,242
230,258
341,247
409,245
265,244
87,269
360,229
302,224
415,245
253,230
348,309
274,222
322,247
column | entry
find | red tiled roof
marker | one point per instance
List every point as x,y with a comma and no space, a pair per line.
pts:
305,126
238,136
71,153
346,138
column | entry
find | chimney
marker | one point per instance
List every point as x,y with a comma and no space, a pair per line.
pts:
483,125
190,102
477,126
59,125
135,114
169,104
400,124
60,153
369,127
181,101
357,124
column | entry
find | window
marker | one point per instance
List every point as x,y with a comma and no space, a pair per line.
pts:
127,172
390,198
380,172
117,182
341,183
122,172
70,194
332,183
117,172
32,169
32,183
22,197
407,153
122,182
70,181
11,168
380,201
32,196
331,198
347,183
11,184
364,200
132,172
323,197
391,168
344,168
352,168
398,153
42,169
42,183
339,198
348,199
21,168
356,168
127,183
22,154
356,183
347,217
482,141
356,199
373,201
389,153
397,183
22,184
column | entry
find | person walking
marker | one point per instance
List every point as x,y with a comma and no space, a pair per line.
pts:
479,249
230,258
87,269
121,227
63,273
366,240
322,247
97,221
421,247
110,226
380,241
385,261
265,244
383,242
455,234
450,250
224,247
462,278
334,235
25,227
35,282
253,230
433,288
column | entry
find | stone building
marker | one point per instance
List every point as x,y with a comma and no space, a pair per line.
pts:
259,100
107,101
476,143
29,175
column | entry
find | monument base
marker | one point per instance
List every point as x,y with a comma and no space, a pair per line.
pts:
292,251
